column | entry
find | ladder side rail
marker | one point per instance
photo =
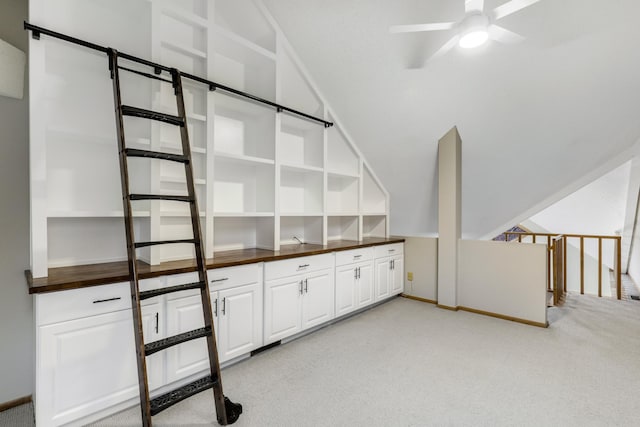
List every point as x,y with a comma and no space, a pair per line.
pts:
199,254
130,236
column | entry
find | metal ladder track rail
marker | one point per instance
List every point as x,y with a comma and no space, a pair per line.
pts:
37,31
227,412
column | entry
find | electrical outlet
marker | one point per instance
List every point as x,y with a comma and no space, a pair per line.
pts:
410,276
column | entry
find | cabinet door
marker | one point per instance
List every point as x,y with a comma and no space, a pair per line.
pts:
240,320
364,285
382,279
345,289
84,366
397,275
318,302
183,315
282,308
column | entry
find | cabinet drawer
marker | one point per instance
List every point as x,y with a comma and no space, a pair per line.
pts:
355,255
77,303
300,265
221,278
389,250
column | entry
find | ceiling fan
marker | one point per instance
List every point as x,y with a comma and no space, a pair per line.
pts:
475,28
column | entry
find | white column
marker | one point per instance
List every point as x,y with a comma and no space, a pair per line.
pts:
449,217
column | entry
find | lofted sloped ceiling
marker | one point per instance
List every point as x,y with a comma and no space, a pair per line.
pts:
535,118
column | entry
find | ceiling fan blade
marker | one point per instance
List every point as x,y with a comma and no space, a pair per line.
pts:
470,5
503,35
511,7
445,48
414,28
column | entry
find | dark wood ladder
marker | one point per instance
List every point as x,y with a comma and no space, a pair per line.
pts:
227,411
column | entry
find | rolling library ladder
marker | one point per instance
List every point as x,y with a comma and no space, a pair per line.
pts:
227,411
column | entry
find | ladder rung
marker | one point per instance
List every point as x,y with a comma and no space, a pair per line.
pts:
163,242
169,289
128,110
166,400
134,152
156,346
186,199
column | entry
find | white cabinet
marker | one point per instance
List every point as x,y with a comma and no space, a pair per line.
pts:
299,294
239,320
79,352
354,280
236,305
389,270
85,354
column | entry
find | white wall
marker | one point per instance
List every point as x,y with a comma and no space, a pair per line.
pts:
421,259
16,323
505,279
597,208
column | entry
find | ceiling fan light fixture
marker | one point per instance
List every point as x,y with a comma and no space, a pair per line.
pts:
474,31
473,39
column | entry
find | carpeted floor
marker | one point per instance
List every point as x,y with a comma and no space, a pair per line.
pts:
408,363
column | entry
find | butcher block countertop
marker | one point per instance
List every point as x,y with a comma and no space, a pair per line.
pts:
65,278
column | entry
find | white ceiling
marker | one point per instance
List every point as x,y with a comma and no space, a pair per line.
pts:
534,117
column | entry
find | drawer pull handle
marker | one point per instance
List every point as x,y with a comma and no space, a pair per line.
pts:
392,250
219,280
98,301
357,256
303,266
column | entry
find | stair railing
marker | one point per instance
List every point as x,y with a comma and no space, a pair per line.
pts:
552,240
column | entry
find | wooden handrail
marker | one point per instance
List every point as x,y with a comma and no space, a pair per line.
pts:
555,270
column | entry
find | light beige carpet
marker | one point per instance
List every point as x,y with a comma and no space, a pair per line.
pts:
407,363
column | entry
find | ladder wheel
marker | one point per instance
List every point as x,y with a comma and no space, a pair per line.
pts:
233,410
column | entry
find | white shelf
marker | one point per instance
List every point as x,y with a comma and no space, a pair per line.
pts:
240,158
340,155
374,226
231,233
345,213
243,128
373,197
184,49
301,142
243,18
343,174
342,193
186,17
301,191
198,117
182,180
292,214
172,147
241,186
243,214
94,214
306,228
179,214
241,67
223,32
300,168
342,227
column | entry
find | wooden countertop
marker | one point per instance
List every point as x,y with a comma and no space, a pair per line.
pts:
65,278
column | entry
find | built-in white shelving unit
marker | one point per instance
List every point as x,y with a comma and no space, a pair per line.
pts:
264,178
